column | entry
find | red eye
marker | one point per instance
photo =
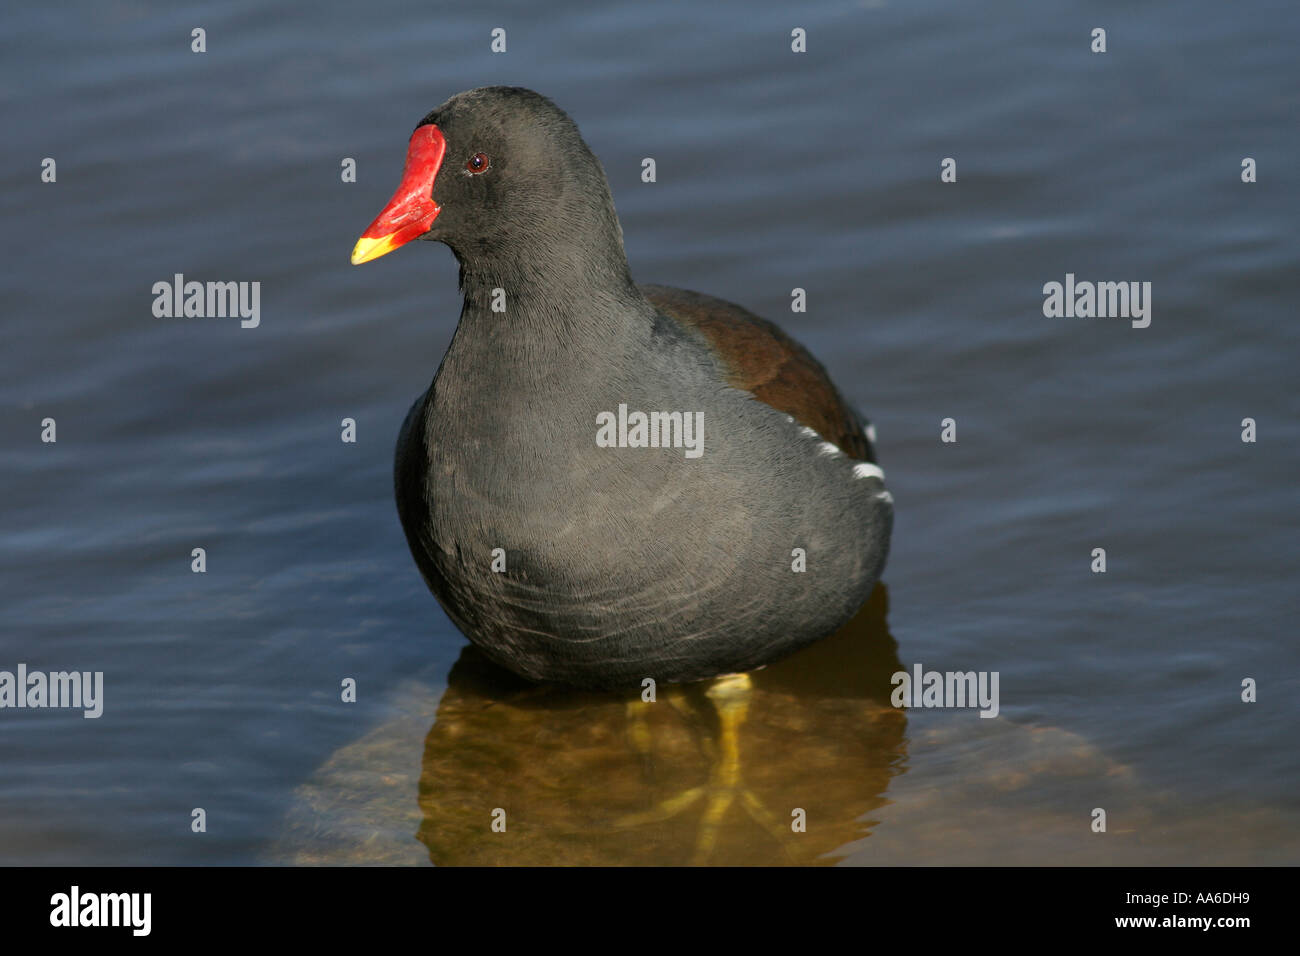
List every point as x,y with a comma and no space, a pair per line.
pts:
477,163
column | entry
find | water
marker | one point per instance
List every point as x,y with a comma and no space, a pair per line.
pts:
775,171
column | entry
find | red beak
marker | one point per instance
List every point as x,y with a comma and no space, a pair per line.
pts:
411,211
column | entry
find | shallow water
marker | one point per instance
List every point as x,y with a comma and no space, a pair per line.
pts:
775,170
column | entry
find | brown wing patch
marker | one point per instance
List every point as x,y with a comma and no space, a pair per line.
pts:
770,365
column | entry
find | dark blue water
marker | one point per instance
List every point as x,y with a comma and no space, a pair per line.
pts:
776,170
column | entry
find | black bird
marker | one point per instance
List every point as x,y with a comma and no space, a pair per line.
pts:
607,482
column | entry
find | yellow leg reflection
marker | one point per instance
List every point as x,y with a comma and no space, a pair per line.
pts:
638,731
731,696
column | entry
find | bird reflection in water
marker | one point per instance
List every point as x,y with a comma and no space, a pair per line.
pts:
783,765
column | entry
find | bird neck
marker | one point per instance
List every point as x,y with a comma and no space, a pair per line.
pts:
550,301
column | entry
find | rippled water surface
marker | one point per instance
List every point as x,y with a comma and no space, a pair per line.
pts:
776,170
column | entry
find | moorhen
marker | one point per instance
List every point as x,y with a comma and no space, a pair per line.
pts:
608,482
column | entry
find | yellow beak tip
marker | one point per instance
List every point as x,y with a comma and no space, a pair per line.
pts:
367,249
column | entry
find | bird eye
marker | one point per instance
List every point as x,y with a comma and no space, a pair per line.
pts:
477,163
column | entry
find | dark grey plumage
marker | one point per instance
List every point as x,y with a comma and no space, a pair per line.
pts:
621,563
